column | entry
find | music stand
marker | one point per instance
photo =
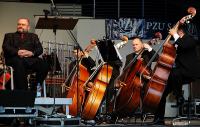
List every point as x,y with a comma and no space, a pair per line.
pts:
55,23
107,50
110,55
59,23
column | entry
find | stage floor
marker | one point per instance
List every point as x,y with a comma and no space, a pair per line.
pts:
132,122
193,121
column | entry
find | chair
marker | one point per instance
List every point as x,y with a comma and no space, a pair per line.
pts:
189,103
7,72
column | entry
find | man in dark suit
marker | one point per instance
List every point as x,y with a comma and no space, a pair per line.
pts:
185,70
139,46
140,51
83,59
21,50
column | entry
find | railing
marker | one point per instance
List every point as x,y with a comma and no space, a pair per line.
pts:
68,10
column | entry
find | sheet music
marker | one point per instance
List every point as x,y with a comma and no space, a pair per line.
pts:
108,51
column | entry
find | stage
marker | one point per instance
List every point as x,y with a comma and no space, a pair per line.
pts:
123,122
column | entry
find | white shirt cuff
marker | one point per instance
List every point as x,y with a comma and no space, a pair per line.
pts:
149,49
86,55
176,36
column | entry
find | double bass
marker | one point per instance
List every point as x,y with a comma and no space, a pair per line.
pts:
156,85
97,91
129,94
76,91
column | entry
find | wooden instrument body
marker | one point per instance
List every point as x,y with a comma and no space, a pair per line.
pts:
97,92
77,94
128,99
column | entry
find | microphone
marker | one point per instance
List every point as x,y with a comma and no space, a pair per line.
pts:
54,9
53,5
46,12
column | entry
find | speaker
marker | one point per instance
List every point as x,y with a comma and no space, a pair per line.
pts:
184,111
195,87
17,98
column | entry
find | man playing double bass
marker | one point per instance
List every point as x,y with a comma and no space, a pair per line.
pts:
138,46
89,64
86,60
128,97
185,69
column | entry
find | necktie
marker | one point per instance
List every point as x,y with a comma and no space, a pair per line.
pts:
22,36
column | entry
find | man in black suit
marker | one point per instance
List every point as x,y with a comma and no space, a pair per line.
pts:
21,50
185,70
139,46
140,51
83,59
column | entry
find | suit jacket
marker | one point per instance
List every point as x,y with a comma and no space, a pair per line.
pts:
13,42
187,59
146,55
89,63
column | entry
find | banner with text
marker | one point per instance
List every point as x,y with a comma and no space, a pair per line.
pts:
144,28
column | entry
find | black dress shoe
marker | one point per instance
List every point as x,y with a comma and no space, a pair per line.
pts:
180,100
111,119
158,121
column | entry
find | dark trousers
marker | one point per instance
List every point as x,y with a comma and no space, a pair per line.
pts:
110,90
22,66
174,84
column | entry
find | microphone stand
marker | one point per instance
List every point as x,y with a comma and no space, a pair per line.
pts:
78,59
54,66
77,71
54,69
54,9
